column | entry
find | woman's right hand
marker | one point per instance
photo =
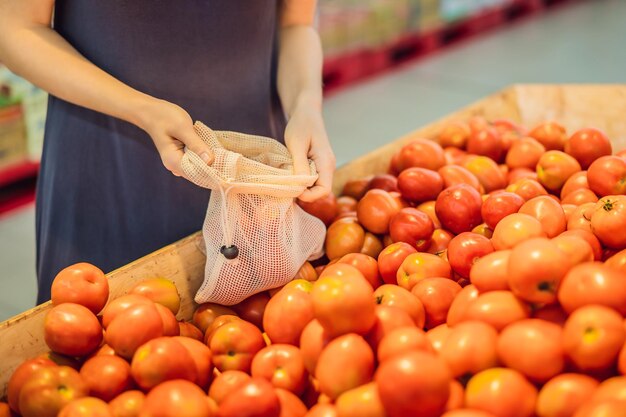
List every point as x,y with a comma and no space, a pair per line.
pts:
171,130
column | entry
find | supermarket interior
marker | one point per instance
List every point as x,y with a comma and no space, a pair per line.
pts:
391,66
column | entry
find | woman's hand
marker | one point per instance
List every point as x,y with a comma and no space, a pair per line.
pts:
171,129
305,137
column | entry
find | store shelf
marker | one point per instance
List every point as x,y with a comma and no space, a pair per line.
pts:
20,171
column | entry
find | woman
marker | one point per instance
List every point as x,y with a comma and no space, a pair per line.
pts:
127,78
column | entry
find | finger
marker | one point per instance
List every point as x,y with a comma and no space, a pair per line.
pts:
299,156
195,144
323,186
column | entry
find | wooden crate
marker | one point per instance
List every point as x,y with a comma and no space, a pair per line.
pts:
576,106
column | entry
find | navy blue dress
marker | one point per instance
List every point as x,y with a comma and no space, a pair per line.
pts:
104,196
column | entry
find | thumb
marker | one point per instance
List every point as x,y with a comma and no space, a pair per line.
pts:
196,145
300,160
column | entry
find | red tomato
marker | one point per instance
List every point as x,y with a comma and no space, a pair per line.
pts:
611,389
159,290
524,153
454,134
568,209
225,383
465,249
466,412
345,363
458,208
580,219
470,348
517,174
401,340
607,175
457,396
554,168
106,376
82,284
322,410
439,241
575,248
127,404
527,188
362,401
286,314
388,319
21,374
324,208
376,209
204,315
342,301
290,404
490,273
346,204
429,208
170,325
564,394
593,283
418,266
486,142
186,329
255,398
497,308
356,188
483,230
437,336
394,296
575,182
532,347
454,155
366,264
176,398
536,268
421,153
162,359
282,365
436,294
587,145
501,391
411,226
549,213
312,341
344,236
219,322
456,174
460,304
551,313
72,329
609,408
580,196
419,184
390,259
487,171
608,217
85,407
123,335
550,134
252,308
514,229
385,182
617,261
499,205
234,345
372,246
201,356
593,336
414,384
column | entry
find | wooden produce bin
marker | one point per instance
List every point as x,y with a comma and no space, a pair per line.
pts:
575,106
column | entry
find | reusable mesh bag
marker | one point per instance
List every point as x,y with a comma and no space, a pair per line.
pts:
252,216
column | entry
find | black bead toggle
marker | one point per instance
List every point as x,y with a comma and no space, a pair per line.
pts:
230,252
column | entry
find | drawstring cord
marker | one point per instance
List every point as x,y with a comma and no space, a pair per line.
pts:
229,250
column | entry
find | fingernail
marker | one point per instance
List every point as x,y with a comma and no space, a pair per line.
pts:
205,157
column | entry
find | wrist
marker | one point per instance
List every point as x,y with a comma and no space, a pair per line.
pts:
307,101
140,110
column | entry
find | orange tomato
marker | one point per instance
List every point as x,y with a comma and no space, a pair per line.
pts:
490,273
436,295
524,153
550,134
394,296
564,394
418,266
469,348
401,340
497,308
460,304
516,228
376,209
593,283
501,391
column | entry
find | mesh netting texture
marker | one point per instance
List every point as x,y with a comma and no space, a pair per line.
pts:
252,208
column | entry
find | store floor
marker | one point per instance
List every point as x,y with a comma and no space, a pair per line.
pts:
579,43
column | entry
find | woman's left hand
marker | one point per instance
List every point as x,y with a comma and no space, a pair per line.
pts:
306,138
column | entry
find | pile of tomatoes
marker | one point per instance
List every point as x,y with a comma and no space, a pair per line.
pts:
483,276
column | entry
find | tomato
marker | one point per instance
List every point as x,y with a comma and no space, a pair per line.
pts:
48,389
457,396
486,142
575,248
282,365
439,241
255,398
414,384
390,259
587,145
234,345
458,208
554,168
201,356
61,360
106,376
344,236
342,301
550,134
518,174
487,171
460,304
454,155
386,182
394,296
170,325
123,333
470,348
617,261
345,363
593,283
83,284
127,404
454,134
366,264
466,412
176,398
217,323
501,391
85,407
419,184
575,182
514,229
549,213
610,408
286,314
497,308
372,246
465,249
387,319
580,219
499,205
252,308
526,188
456,174
159,290
206,313
437,336
324,208
607,175
609,216
225,383
187,329
483,230
376,209
362,401
418,266
580,196
532,347
436,294
322,410
490,273
21,374
536,268
611,389
524,153
72,329
564,394
593,336
162,359
421,153
401,340
411,226
429,208
346,204
290,404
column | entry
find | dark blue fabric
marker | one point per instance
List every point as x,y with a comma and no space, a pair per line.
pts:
103,195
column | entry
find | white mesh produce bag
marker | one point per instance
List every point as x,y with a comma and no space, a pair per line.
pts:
252,216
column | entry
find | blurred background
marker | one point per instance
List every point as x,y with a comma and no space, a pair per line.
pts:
390,67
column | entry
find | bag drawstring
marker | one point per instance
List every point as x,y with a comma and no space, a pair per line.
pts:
229,250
